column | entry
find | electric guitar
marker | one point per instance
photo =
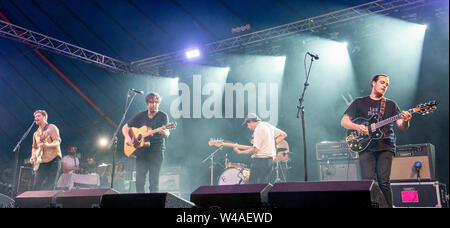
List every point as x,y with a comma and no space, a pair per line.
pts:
139,134
38,161
220,142
358,141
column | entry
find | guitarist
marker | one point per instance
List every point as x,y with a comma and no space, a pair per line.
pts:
376,159
264,148
149,159
46,140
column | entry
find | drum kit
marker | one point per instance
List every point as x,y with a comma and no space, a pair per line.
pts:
238,173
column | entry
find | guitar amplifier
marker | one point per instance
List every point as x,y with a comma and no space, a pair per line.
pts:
403,163
331,150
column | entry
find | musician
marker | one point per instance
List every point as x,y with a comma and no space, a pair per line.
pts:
46,139
376,160
263,150
149,159
70,162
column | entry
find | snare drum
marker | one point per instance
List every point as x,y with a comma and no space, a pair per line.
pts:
235,165
234,176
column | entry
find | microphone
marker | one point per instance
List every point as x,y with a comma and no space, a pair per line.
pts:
137,91
418,165
316,57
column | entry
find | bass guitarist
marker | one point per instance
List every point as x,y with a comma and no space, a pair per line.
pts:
45,152
149,158
376,159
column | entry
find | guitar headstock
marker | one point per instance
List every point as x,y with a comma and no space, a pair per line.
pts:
171,125
215,142
426,108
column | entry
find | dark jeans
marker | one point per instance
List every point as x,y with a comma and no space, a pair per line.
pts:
47,175
151,165
260,170
377,166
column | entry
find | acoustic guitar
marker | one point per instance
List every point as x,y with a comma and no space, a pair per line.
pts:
138,136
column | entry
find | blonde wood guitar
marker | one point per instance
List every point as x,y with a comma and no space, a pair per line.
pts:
220,143
38,161
138,136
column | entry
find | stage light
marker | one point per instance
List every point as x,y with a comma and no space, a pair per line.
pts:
192,53
102,142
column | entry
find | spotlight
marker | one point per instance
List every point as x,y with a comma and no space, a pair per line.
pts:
192,53
102,142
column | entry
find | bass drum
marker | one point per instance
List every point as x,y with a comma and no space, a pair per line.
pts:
234,176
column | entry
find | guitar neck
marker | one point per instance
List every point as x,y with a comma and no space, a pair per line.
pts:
148,133
236,145
390,119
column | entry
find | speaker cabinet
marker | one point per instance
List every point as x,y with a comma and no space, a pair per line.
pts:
405,157
37,199
25,181
339,170
83,198
327,194
231,196
144,200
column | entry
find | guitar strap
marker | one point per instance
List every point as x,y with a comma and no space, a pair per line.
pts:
382,108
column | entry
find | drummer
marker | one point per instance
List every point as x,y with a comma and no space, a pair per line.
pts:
263,150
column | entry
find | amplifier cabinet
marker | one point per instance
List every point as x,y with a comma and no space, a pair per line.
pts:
403,163
419,194
339,170
334,150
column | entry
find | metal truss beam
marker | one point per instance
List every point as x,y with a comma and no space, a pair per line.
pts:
41,41
150,65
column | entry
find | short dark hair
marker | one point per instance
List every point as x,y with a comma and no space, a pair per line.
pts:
153,96
375,78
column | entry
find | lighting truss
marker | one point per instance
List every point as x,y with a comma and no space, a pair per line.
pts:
151,65
41,41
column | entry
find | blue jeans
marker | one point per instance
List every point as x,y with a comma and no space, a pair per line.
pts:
377,166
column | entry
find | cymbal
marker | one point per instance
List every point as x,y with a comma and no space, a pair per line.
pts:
104,165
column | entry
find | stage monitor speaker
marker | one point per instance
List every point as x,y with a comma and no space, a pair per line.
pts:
339,170
83,198
6,201
327,194
403,163
144,200
231,196
37,199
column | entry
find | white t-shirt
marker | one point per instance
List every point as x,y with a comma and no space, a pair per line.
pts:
70,161
264,139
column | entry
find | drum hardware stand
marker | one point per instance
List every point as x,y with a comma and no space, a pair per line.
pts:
16,151
211,157
277,167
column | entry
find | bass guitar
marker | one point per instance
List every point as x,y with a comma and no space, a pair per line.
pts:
358,141
139,134
220,142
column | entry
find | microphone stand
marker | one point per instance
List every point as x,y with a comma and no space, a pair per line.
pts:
16,151
211,157
301,113
113,143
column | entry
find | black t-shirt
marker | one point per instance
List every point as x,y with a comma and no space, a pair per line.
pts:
157,142
366,107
